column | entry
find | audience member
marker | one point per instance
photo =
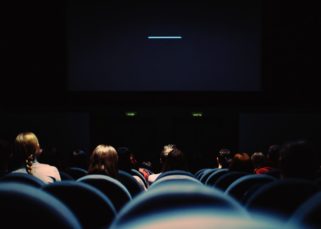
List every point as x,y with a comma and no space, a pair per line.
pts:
241,162
175,160
104,160
27,149
298,159
127,162
163,155
224,158
80,159
273,155
260,163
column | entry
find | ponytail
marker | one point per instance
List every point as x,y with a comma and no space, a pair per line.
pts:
29,162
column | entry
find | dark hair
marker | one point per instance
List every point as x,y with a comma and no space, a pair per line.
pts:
224,157
298,159
241,162
175,160
273,154
124,162
258,159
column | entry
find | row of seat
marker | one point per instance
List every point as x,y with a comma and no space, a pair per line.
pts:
287,198
174,192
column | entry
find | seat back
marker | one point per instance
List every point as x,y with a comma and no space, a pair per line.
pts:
281,197
201,218
141,176
76,172
309,212
129,182
240,187
175,172
173,179
65,176
226,179
112,188
174,196
27,206
92,208
211,179
206,174
199,173
23,178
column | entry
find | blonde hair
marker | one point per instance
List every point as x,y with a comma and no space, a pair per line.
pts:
166,150
27,147
104,160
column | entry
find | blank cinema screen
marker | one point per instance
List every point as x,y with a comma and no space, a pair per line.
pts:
164,45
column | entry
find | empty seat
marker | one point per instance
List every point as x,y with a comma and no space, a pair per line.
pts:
76,172
309,213
65,176
92,208
174,196
175,172
199,173
129,182
141,176
226,179
23,178
26,206
281,197
211,179
173,179
112,188
206,174
240,187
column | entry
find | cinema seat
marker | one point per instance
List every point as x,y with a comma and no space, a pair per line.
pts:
240,188
23,178
309,212
225,180
281,197
211,179
130,183
201,218
176,196
174,179
92,208
112,188
24,206
76,172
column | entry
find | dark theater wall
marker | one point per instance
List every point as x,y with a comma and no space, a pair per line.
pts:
34,90
147,132
257,131
64,131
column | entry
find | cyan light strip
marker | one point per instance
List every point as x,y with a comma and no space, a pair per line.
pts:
164,37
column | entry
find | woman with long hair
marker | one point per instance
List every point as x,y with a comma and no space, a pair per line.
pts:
27,149
104,160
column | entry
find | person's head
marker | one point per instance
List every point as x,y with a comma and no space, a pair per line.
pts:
104,160
258,160
27,148
224,158
241,162
165,151
273,155
124,159
175,160
79,158
298,160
